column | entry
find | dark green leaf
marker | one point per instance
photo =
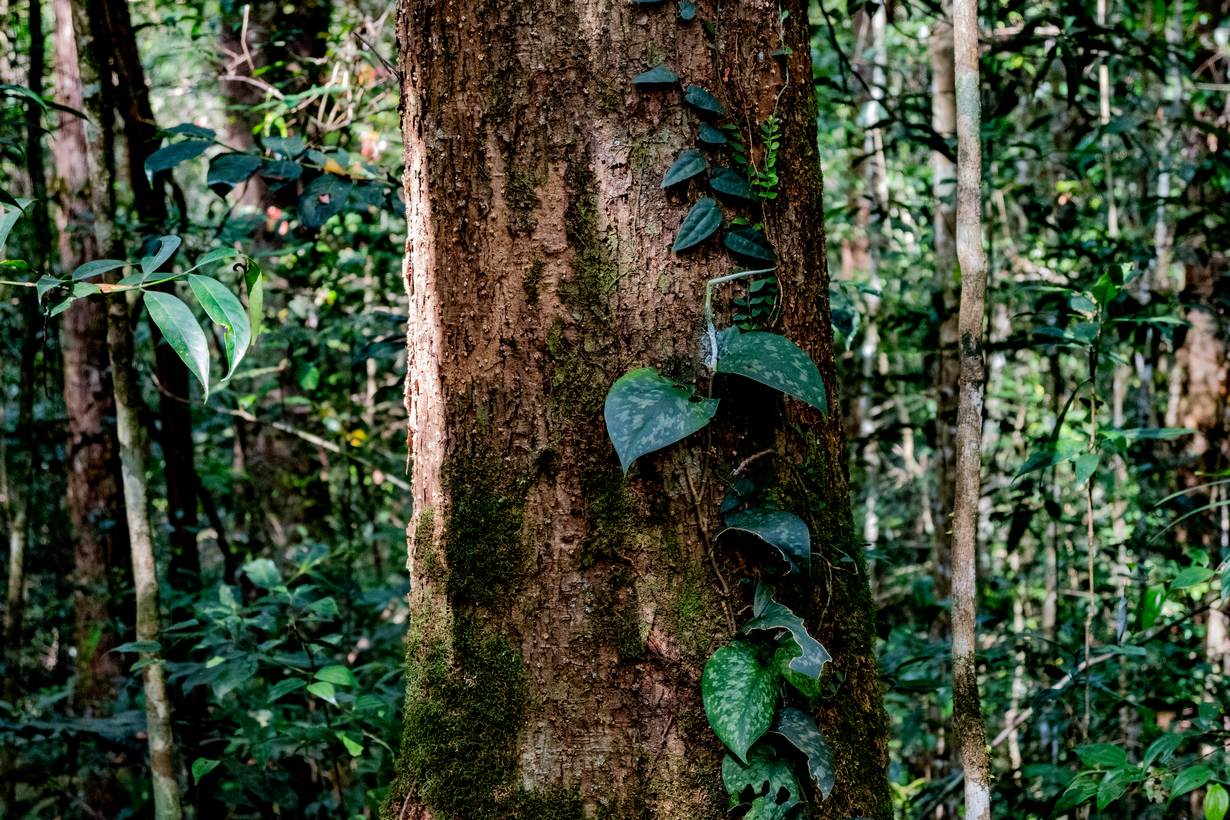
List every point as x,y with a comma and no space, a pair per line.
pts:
1102,756
255,282
785,531
710,134
1078,791
284,687
688,164
1190,779
228,170
700,223
1114,784
1162,749
702,100
9,216
658,75
764,780
1190,577
775,361
285,147
728,182
749,243
1086,465
786,654
1151,602
203,766
645,412
770,616
143,647
800,729
226,310
45,284
188,129
281,171
323,198
740,695
171,155
182,333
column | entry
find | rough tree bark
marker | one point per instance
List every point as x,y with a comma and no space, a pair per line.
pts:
561,615
93,53
968,727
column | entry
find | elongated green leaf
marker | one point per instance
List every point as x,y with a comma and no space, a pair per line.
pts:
729,182
1162,749
1086,465
770,616
189,129
800,729
228,170
1115,783
1190,577
784,531
337,675
761,783
169,156
645,411
740,695
9,216
1102,756
167,246
284,687
775,361
700,223
216,255
688,164
255,282
142,647
224,308
183,334
1190,779
280,172
1216,802
702,100
749,243
658,75
95,267
1078,791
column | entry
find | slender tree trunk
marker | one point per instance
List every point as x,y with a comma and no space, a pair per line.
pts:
968,725
132,443
560,614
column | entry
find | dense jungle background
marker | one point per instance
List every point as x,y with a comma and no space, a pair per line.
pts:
262,143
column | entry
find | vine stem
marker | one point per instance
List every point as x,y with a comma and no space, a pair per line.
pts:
710,330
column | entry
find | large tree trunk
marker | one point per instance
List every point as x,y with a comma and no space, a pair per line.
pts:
561,614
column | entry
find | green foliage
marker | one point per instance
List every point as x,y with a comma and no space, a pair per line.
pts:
772,360
700,223
785,532
740,695
645,411
179,327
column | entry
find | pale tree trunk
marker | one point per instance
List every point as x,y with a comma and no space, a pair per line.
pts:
968,727
947,366
560,614
92,54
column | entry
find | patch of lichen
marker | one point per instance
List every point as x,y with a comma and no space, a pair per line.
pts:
594,272
532,282
521,196
483,544
578,384
426,553
608,515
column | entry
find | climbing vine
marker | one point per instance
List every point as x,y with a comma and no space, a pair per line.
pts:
773,748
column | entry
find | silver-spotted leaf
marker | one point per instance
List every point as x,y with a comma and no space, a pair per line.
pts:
779,529
730,183
740,695
645,411
786,654
770,616
658,75
767,783
688,164
225,309
701,222
182,333
775,361
801,731
702,100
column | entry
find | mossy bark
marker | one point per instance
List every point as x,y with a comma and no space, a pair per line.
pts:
560,613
